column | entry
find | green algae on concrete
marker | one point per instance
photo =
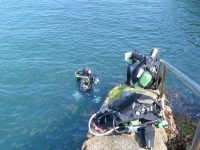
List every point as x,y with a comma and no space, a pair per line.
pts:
117,91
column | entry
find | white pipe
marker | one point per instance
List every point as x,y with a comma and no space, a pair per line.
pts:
99,134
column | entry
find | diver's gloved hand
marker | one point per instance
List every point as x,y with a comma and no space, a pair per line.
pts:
104,109
96,80
78,70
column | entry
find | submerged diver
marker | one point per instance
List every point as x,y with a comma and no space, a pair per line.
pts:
145,73
86,79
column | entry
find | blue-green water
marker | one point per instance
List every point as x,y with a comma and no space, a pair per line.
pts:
43,42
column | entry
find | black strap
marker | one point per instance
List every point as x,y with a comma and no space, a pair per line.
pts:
149,135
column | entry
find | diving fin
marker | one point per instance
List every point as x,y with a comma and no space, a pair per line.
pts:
127,57
149,134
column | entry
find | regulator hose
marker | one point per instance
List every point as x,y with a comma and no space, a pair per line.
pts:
120,132
80,76
99,134
115,128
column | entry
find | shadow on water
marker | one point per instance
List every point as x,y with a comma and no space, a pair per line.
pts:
181,104
65,131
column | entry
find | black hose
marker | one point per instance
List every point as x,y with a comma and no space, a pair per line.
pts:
140,125
120,132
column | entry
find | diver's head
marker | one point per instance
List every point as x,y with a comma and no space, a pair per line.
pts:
87,70
154,53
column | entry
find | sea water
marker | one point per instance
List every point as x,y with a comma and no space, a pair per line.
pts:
43,42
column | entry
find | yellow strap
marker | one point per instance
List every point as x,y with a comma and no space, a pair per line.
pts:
79,76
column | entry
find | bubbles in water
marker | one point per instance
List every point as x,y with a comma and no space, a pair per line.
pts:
96,90
96,99
77,95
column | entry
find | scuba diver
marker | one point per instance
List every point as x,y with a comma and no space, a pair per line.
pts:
86,78
145,73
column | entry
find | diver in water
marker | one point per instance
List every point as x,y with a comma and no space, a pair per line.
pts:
86,79
145,73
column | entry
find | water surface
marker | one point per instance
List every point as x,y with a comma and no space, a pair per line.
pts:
43,42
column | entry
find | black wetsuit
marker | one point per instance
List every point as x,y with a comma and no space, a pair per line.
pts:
131,69
85,83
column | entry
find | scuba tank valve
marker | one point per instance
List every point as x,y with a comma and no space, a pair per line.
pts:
164,123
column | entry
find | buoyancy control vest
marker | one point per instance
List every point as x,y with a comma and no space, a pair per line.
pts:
144,75
84,80
133,113
135,106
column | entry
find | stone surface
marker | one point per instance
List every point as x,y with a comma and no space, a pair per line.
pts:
125,142
133,141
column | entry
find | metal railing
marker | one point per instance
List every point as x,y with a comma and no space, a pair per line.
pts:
190,83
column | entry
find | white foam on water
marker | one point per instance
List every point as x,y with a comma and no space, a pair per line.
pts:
77,95
96,99
96,90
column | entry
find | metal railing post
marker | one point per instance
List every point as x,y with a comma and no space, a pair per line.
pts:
196,140
163,82
191,84
157,77
188,81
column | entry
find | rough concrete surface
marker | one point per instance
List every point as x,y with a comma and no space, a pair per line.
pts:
133,141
